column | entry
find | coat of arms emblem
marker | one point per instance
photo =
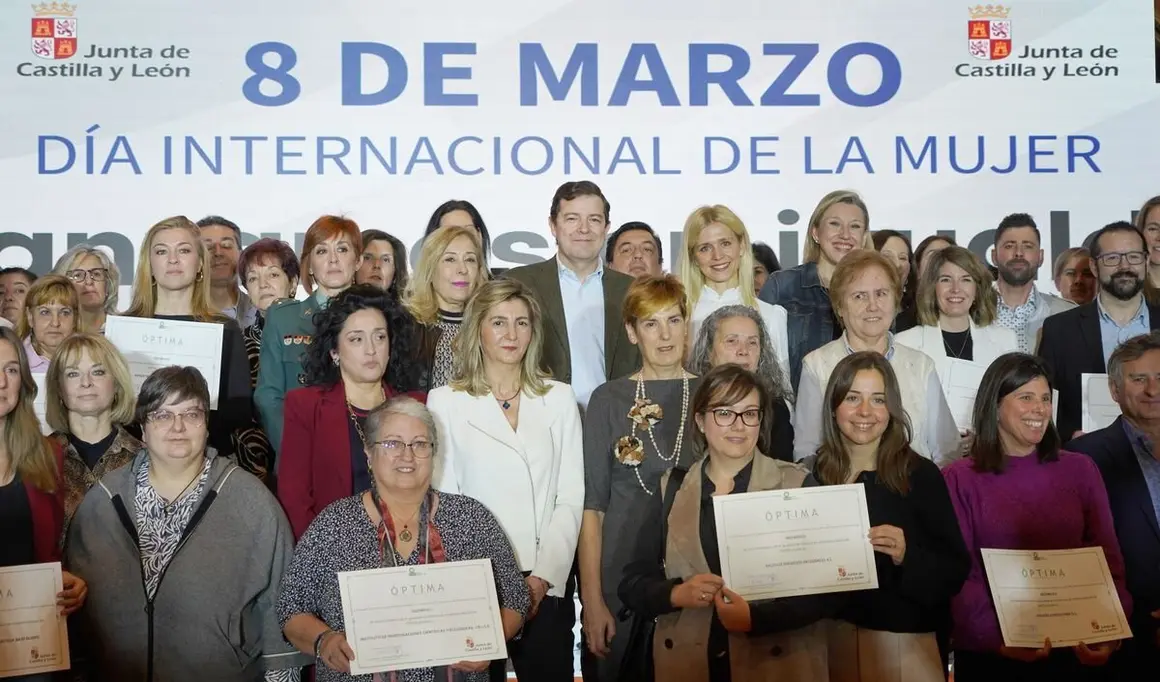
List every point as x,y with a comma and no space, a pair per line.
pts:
54,30
989,32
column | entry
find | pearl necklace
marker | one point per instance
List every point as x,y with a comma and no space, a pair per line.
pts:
680,430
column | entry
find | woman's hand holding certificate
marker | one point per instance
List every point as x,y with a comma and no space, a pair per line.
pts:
784,543
1064,596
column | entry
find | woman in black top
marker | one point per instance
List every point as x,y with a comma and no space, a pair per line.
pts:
674,573
171,284
921,558
736,334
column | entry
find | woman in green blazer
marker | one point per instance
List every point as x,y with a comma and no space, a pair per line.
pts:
330,258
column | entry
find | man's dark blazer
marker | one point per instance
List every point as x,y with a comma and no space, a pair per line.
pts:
621,356
1071,345
1139,537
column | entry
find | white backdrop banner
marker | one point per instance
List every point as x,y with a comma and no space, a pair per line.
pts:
945,115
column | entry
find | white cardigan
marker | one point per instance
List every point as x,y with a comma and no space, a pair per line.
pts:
775,318
988,342
531,479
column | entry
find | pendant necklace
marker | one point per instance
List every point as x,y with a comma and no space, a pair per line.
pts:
963,347
506,403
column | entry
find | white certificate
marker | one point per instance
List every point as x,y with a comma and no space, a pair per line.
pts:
149,345
421,616
785,543
1065,595
1099,410
33,634
960,382
39,405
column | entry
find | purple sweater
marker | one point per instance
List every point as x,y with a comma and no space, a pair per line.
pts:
1053,505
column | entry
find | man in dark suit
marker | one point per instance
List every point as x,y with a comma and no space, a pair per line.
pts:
585,342
1130,467
1081,340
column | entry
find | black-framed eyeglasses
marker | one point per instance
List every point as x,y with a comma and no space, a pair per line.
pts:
723,416
1113,259
96,274
422,449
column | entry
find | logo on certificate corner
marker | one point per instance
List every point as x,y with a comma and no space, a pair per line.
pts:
34,654
989,32
841,572
54,30
470,643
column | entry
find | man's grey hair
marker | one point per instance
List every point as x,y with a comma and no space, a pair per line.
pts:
767,367
112,282
401,405
1129,351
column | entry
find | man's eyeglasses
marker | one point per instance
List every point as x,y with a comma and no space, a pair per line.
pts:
1111,260
395,448
724,417
96,274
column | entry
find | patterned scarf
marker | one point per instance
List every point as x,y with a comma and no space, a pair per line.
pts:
433,553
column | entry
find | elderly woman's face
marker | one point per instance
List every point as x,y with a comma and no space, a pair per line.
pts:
395,464
738,341
51,323
91,291
87,387
868,304
177,430
364,346
267,282
731,431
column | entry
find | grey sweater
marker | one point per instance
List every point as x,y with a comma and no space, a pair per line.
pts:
213,611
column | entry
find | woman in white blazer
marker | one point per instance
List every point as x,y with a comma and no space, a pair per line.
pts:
511,438
956,311
716,267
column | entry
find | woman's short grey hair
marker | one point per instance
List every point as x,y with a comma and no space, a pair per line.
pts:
406,406
700,361
112,282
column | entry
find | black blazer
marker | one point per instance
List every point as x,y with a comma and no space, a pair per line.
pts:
1071,346
621,356
1138,532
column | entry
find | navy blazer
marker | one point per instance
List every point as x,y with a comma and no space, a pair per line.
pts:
1137,530
1071,345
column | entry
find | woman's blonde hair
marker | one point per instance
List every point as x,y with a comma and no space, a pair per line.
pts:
813,251
419,298
144,303
102,352
31,453
852,266
46,291
687,268
469,375
985,308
